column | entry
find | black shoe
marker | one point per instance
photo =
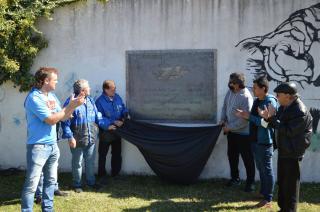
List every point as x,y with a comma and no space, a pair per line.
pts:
103,181
114,174
78,190
101,174
60,193
233,182
95,186
38,200
249,187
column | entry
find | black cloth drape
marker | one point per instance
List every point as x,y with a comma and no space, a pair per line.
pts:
176,154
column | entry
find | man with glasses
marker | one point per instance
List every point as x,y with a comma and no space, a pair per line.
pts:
112,108
237,130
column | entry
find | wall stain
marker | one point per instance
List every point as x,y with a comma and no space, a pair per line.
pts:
70,81
96,92
17,121
2,94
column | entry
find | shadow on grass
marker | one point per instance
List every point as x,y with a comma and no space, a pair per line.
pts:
168,205
213,191
10,187
201,196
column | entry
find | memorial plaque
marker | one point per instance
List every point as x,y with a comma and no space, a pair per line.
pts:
172,85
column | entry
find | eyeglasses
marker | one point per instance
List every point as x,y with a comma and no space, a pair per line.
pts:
232,82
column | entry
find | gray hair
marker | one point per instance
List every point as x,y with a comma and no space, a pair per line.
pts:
79,85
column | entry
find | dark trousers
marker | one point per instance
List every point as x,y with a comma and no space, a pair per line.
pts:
240,145
107,138
289,184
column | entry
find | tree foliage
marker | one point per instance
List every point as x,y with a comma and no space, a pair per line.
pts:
20,40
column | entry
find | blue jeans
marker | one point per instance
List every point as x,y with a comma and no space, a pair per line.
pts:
40,187
40,158
88,153
263,157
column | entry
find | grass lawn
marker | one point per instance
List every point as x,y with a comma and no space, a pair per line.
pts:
148,193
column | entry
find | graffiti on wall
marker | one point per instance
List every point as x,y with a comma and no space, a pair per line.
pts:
289,53
18,119
285,53
315,144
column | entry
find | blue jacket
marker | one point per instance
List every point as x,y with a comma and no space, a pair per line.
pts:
83,126
265,134
111,110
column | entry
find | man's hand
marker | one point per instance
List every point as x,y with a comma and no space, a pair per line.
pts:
77,101
263,113
66,112
118,123
72,143
267,112
112,127
272,110
226,130
242,114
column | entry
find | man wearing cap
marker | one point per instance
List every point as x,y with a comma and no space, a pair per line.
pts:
293,126
237,130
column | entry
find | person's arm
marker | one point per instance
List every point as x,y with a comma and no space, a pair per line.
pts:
292,128
67,133
67,111
103,121
66,130
38,106
65,125
259,121
245,105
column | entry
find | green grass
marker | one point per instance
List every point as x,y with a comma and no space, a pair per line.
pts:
146,193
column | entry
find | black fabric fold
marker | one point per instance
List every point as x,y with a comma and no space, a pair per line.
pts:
176,154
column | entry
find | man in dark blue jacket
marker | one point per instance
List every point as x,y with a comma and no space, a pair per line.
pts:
112,108
262,137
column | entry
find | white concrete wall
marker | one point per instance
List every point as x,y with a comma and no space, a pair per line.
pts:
89,39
